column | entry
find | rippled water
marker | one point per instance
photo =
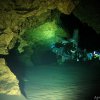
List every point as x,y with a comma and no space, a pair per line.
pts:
65,82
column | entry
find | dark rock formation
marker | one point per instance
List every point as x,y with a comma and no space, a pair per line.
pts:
88,11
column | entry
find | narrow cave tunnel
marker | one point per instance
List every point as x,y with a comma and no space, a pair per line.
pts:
88,38
35,71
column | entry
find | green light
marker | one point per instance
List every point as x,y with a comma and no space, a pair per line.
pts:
48,30
44,34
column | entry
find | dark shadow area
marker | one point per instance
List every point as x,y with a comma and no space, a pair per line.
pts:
17,67
44,58
88,38
93,85
88,81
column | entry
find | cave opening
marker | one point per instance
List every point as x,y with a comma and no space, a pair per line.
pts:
88,37
37,53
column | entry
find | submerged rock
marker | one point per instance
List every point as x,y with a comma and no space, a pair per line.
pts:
8,81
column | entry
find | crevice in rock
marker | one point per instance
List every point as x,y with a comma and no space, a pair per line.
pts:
17,67
23,10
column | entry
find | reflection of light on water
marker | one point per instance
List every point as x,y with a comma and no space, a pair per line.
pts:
52,83
51,94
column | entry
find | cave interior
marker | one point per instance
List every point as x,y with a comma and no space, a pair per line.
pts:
88,39
38,49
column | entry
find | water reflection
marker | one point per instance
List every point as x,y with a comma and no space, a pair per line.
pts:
65,82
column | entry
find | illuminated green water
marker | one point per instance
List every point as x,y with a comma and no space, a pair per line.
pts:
65,82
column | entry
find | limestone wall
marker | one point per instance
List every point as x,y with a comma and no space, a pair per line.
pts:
8,81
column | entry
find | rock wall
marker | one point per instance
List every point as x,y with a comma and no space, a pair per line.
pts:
8,81
18,15
88,11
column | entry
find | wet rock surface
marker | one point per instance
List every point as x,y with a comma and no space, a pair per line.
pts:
8,81
18,15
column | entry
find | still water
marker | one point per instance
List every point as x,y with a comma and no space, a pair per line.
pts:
70,81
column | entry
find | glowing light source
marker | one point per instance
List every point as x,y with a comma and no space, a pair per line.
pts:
46,33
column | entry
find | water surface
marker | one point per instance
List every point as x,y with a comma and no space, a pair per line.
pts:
71,81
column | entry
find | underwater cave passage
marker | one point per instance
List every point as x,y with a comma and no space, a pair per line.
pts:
88,38
39,69
81,43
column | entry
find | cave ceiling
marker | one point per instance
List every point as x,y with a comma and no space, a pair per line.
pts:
88,11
